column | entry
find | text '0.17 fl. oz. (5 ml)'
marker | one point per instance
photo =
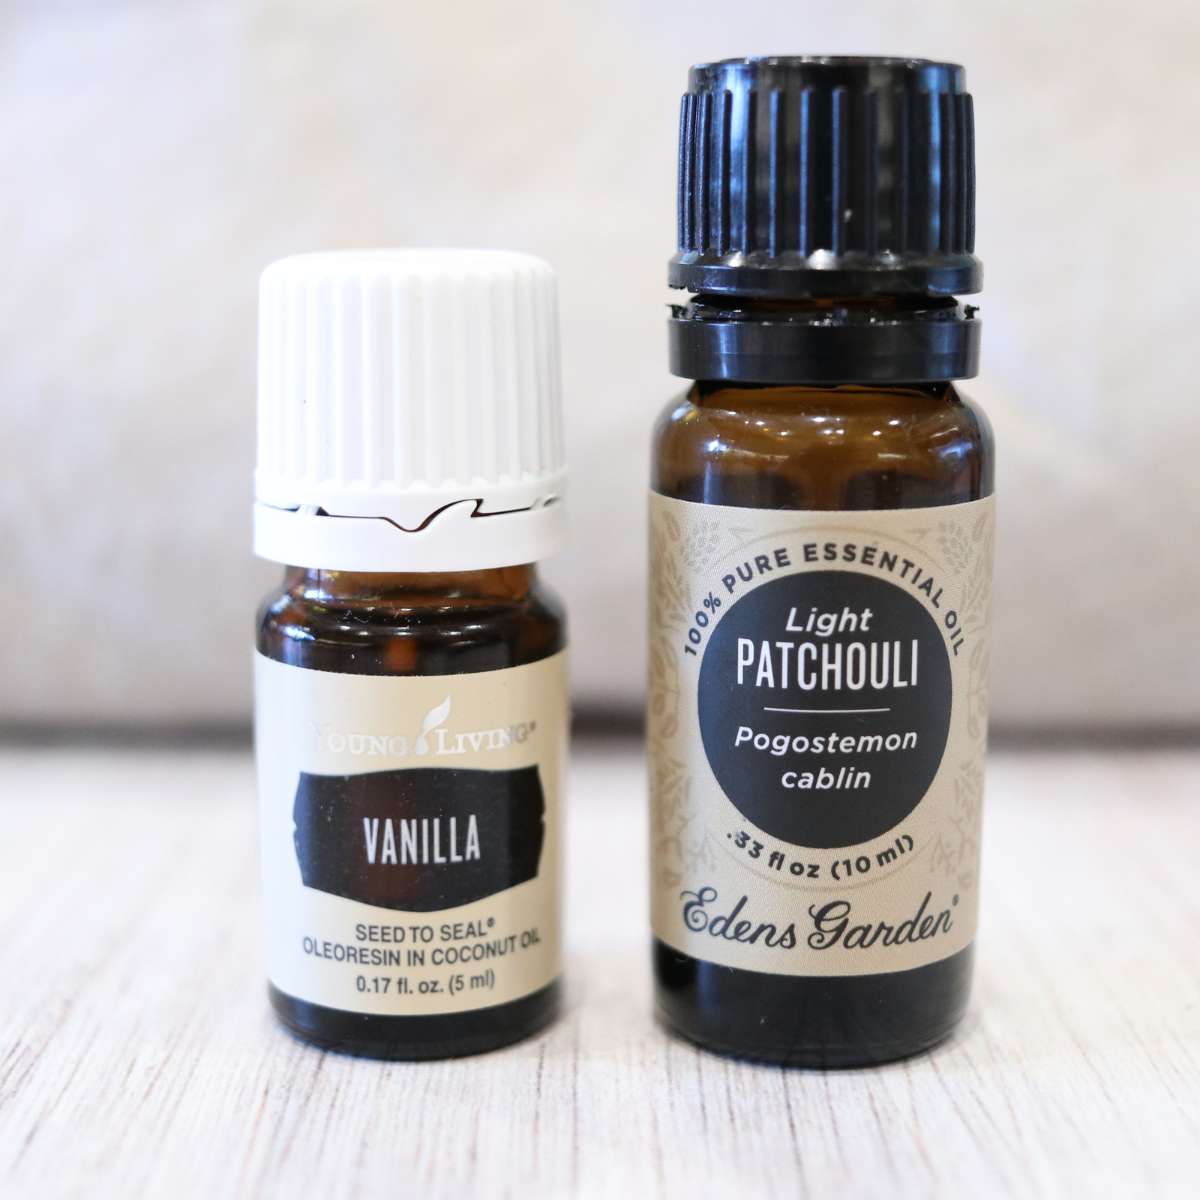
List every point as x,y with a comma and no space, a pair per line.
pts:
410,678
821,544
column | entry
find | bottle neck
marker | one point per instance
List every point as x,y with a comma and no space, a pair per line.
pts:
884,339
717,306
415,589
831,397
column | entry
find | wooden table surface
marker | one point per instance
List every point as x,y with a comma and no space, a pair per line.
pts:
139,1058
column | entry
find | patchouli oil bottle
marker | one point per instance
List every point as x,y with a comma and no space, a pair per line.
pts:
411,709
821,544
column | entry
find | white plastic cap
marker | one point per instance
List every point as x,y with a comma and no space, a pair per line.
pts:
409,411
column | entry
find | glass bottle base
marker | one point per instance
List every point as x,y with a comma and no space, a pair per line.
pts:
811,1021
449,1035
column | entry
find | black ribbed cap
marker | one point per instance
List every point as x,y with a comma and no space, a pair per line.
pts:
825,177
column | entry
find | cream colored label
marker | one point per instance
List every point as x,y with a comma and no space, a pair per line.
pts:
817,726
410,835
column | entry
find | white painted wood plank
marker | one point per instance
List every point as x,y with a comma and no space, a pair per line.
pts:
138,1056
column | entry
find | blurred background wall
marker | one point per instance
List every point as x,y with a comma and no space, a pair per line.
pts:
158,154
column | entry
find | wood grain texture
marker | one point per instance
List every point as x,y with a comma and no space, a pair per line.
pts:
139,1058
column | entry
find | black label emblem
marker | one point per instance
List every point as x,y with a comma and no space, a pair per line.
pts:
825,706
421,840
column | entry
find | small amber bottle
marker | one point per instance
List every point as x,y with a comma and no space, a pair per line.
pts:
411,707
821,536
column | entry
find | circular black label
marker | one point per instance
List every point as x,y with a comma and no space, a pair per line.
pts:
825,706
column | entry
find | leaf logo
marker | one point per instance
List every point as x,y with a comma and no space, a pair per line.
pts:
433,718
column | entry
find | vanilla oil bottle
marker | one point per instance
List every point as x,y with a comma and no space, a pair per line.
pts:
411,708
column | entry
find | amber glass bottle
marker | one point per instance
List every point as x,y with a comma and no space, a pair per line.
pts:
410,680
821,539
428,624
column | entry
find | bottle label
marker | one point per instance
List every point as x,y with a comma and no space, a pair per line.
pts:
817,726
410,834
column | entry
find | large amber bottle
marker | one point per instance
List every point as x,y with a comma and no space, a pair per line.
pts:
821,532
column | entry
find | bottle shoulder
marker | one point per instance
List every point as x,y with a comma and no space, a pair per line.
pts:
417,636
822,448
